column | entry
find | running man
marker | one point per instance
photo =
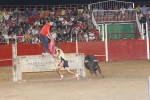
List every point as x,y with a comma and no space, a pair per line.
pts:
64,63
45,32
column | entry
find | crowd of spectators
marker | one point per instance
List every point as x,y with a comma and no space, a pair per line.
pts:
24,26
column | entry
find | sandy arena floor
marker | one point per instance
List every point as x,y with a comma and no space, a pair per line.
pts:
124,80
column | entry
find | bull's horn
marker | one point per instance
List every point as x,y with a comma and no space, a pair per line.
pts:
95,60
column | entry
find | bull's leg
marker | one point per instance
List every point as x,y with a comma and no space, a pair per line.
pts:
98,68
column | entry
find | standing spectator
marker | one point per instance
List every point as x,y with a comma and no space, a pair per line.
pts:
16,12
148,12
144,10
27,12
138,9
10,13
122,9
75,12
34,11
95,10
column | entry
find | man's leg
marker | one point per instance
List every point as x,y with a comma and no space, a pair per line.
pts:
44,41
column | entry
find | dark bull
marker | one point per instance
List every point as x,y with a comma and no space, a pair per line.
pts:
91,63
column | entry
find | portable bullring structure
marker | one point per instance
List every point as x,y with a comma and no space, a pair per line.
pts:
118,39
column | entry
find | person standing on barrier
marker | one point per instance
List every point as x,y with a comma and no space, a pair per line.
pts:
64,63
45,32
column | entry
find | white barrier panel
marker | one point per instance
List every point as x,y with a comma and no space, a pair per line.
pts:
37,63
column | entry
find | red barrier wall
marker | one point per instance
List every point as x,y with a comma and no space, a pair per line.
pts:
117,50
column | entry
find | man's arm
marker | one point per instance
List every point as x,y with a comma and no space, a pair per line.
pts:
49,35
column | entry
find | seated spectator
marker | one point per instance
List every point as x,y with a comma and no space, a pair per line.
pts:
3,40
12,37
46,13
6,16
64,23
42,22
61,18
68,35
27,36
96,33
1,17
19,36
35,39
36,15
10,31
84,26
109,15
20,19
91,36
31,19
63,12
70,24
58,12
89,22
59,37
54,34
59,25
37,22
80,35
5,34
85,35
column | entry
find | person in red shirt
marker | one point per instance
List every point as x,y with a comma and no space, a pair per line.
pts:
45,32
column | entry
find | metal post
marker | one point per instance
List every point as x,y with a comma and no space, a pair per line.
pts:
147,41
102,32
142,33
106,44
76,42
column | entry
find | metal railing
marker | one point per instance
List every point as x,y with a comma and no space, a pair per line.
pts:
102,16
44,7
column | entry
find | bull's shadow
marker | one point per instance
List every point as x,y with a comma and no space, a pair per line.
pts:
91,63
